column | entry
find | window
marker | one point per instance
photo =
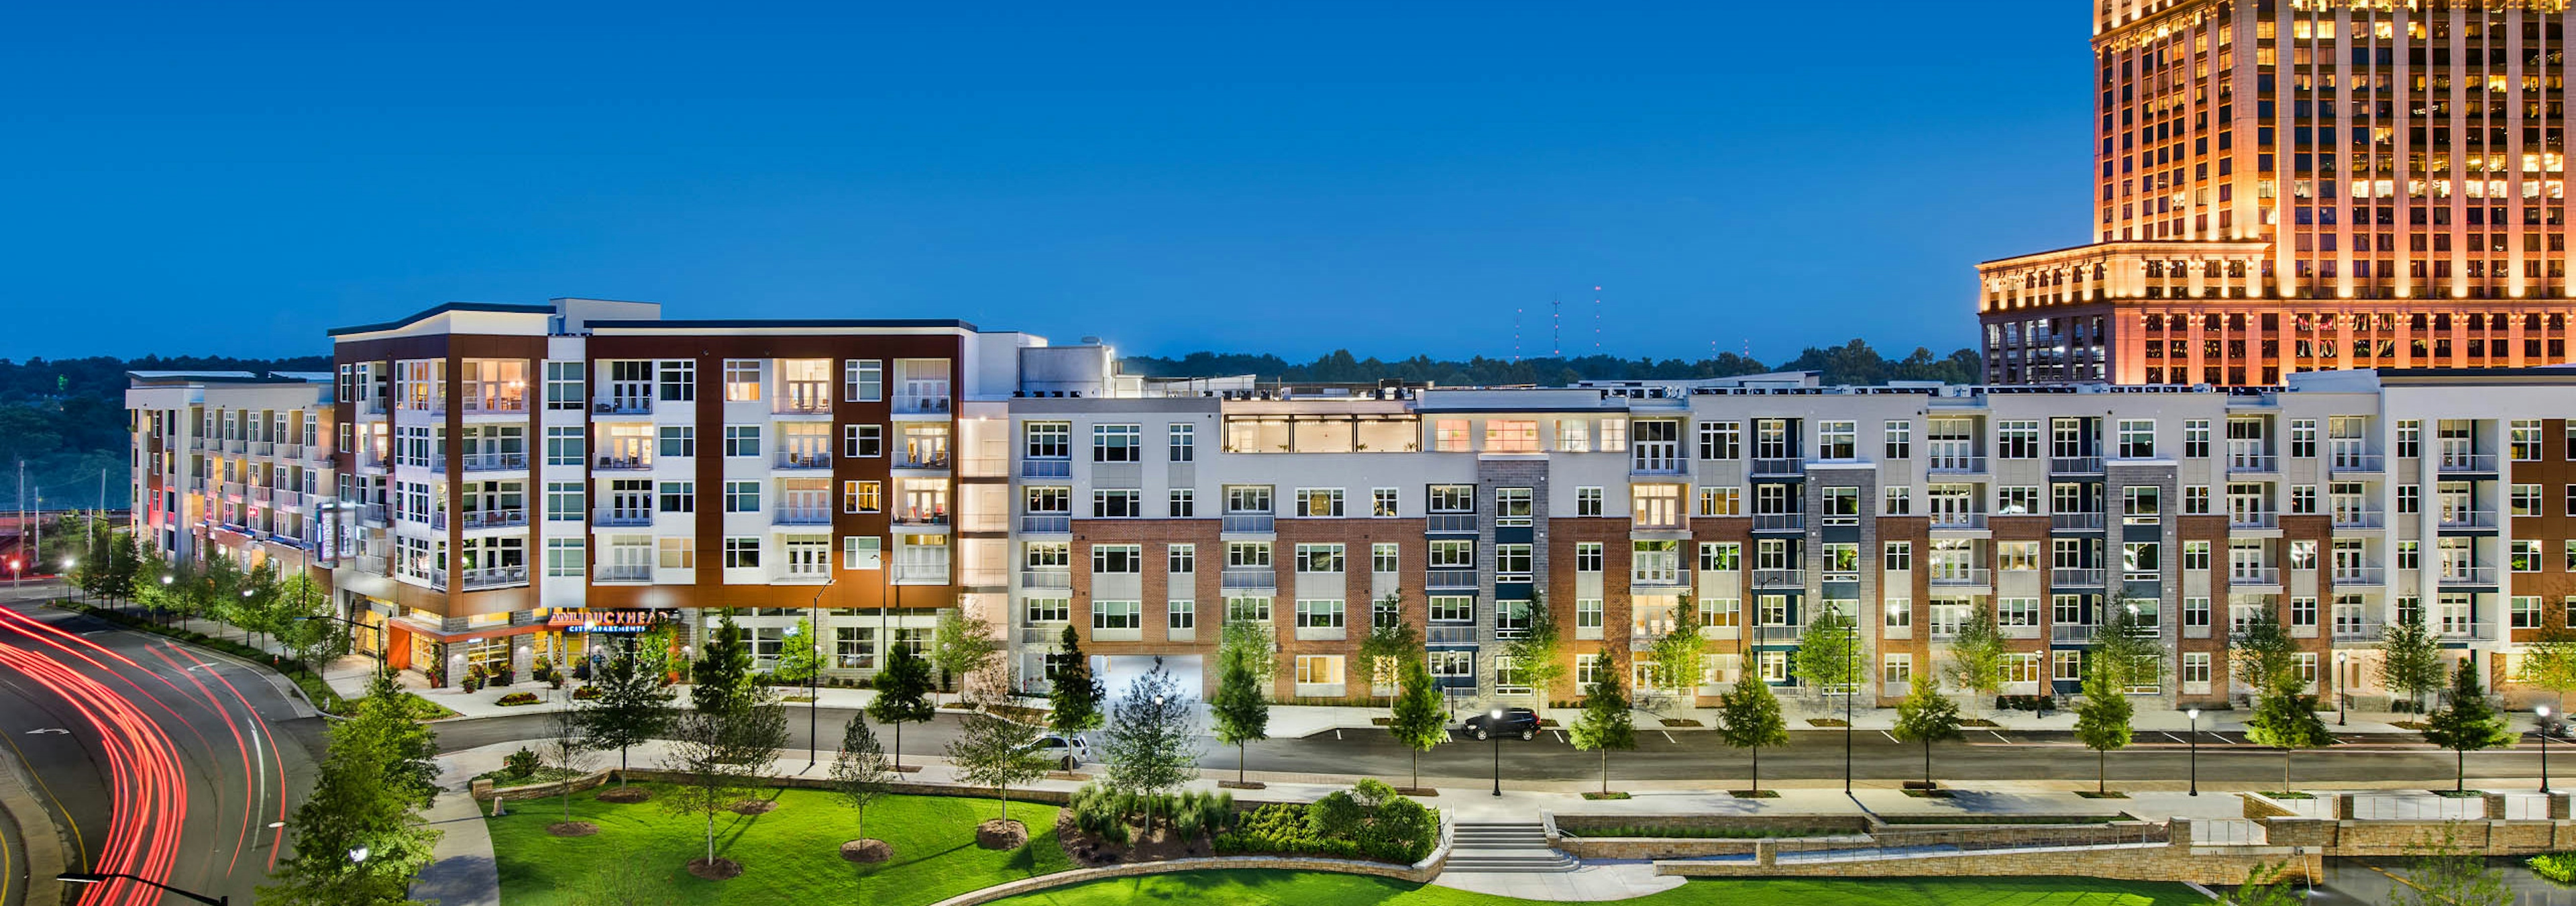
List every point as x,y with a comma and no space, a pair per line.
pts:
1896,501
1047,610
1247,498
2526,612
1128,504
2017,439
742,496
1117,443
1453,665
1117,615
1181,615
1587,556
1721,440
2526,500
2410,437
564,446
1382,503
679,497
1247,555
1319,669
864,552
1897,613
1774,666
2195,555
2140,504
862,441
1655,505
1449,435
1183,442
2140,559
1837,440
2303,611
862,496
1184,503
1181,558
2303,500
1047,440
676,553
1714,556
863,380
2571,556
678,379
742,380
1511,436
2410,499
2137,438
2019,556
1512,506
742,440
1319,614
2016,500
1587,614
1614,435
2522,437
1452,608
564,556
2303,438
742,553
2195,612
2195,500
1899,438
1319,502
1453,498
564,501
1899,556
2195,438
1117,559
1319,558
1717,501
1512,562
2524,556
1573,435
1587,501
1383,557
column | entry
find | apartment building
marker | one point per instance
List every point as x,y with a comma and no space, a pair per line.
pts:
2337,502
232,463
2306,185
523,477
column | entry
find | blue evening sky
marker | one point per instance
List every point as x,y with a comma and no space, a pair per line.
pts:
1392,178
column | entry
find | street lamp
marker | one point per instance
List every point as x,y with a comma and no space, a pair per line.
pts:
2341,700
1497,722
2543,712
67,574
1851,690
814,676
2194,714
102,877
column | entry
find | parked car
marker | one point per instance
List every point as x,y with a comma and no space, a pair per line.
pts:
1068,752
1521,722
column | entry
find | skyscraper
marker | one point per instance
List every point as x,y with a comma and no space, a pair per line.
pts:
2300,185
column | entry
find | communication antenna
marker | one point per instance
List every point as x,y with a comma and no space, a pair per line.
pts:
1596,320
1556,326
1516,335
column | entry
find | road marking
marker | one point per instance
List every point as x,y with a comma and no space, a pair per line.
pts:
2006,740
40,731
2176,738
1891,737
1668,737
1560,735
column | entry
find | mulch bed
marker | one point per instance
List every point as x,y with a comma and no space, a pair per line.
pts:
1827,722
1614,794
571,829
1000,834
1381,721
1979,723
753,807
717,870
866,852
1092,852
1241,785
1680,722
1067,775
1928,794
1418,792
1754,794
625,795
2089,794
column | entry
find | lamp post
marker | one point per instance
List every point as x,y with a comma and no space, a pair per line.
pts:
2543,712
2194,714
67,576
102,877
1851,690
1496,717
2341,700
813,676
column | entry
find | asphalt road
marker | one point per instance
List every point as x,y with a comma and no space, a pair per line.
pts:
152,758
1694,755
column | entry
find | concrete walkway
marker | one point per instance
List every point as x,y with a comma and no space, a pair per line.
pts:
463,871
1592,883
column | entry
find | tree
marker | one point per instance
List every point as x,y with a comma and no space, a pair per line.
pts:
368,791
2447,873
1073,693
1828,656
721,677
2102,720
1749,718
719,754
1679,650
1249,642
2263,655
802,657
1387,646
2131,647
1926,716
1606,723
903,695
2550,663
2286,720
1538,654
291,612
1977,653
1416,720
1241,713
629,710
126,567
1153,747
860,773
996,751
567,745
2410,657
963,646
2469,723
2267,884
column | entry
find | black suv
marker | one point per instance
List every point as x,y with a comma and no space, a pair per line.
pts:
1521,722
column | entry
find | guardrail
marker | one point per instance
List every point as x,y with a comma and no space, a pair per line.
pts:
2075,465
1249,524
621,572
1450,578
2075,522
2475,519
1971,576
1767,579
2467,575
2070,577
1046,525
495,577
1775,465
624,405
1249,578
1779,522
799,515
1450,635
2347,463
1449,523
622,517
1958,521
1957,465
1046,468
2365,576
2254,575
1046,578
621,463
484,519
2466,462
788,460
1913,844
495,462
2253,463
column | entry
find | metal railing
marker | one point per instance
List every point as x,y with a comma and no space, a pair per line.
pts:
495,462
1941,577
2065,577
2253,575
921,573
1894,845
1249,524
2467,575
2467,519
2364,575
1449,523
621,572
2075,465
1783,579
1046,578
2346,632
1041,635
484,519
263,448
1449,578
2254,463
372,514
921,404
622,463
798,401
1779,522
2466,462
803,460
801,515
2358,518
623,405
1776,465
2349,463
1449,635
2072,633
622,517
1043,524
930,460
1957,465
2075,522
1046,468
2471,631
910,516
495,577
1249,578
2254,520
1958,521
1777,633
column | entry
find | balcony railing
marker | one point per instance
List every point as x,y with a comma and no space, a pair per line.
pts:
485,519
622,463
1250,578
801,515
495,577
2360,576
2019,631
2358,519
1777,633
2253,575
1652,579
2075,465
1449,578
2468,575
2468,519
370,563
1958,521
1045,524
2350,632
2253,463
2466,462
263,448
1777,465
802,400
623,405
2341,463
622,572
290,451
2072,633
258,493
622,517
1249,524
921,404
1449,636
2075,522
1959,577
921,573
806,459
495,462
1778,579
1041,635
1779,522
923,459
2064,577
917,516
1449,524
372,514
1046,578
2263,519
2468,631
1958,465
1046,468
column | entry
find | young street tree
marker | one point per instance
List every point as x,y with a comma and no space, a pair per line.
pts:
903,695
1539,654
2550,663
1678,653
1977,655
1383,652
2469,723
719,753
1926,716
1749,718
1153,746
567,744
721,677
2131,647
801,657
629,710
963,647
1240,711
1828,656
2286,720
1606,723
1073,693
374,779
2102,720
996,751
2263,654
2410,658
860,773
1417,723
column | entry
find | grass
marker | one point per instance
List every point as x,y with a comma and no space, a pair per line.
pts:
503,779
1275,888
790,856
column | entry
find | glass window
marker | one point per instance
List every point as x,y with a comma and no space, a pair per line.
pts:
1181,558
863,380
742,380
1183,443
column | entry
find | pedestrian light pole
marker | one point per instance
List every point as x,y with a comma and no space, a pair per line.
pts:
813,678
1496,722
2543,713
2194,714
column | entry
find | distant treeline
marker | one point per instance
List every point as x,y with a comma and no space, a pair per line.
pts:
65,420
1851,363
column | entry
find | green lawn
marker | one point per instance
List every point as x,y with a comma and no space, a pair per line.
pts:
1272,888
790,856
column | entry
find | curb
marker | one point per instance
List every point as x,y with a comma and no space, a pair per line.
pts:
1417,873
294,694
42,840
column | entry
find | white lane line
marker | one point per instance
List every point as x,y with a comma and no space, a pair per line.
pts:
1999,736
1891,737
2176,738
1668,737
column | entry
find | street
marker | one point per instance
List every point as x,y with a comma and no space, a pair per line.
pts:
151,758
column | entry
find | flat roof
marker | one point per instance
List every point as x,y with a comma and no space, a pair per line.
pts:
443,309
724,323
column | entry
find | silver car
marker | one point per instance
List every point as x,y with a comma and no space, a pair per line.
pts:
1067,752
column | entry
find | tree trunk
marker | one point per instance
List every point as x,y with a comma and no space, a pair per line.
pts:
1238,763
2101,771
898,747
711,837
2285,772
1757,772
2459,770
621,767
1417,768
1927,763
1605,772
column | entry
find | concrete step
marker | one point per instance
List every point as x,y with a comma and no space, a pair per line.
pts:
1511,860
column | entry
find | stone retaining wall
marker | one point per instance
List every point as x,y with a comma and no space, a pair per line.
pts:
1579,824
2396,838
1658,847
2136,863
1418,873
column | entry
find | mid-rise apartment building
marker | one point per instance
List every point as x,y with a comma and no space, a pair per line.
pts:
231,463
2306,185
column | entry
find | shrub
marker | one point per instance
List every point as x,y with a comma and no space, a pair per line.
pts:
585,693
521,763
518,698
2559,867
1366,822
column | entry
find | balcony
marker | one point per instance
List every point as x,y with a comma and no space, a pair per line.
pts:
1452,579
1046,468
622,463
2075,522
2342,463
802,399
2252,464
1042,635
2063,577
263,448
2365,576
2468,520
2254,519
1249,524
915,516
1778,579
496,462
493,519
622,517
1449,524
794,460
802,515
2356,632
2467,575
1656,465
1958,465
622,572
2073,633
2348,518
924,403
1779,522
1961,577
290,451
258,493
623,405
287,500
2475,632
2243,576
1958,522
1656,579
1778,467
372,515
928,460
2075,465
2466,463
495,577
1249,579
921,573
370,563
1449,636
2020,631
1777,633
1046,524
1046,578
